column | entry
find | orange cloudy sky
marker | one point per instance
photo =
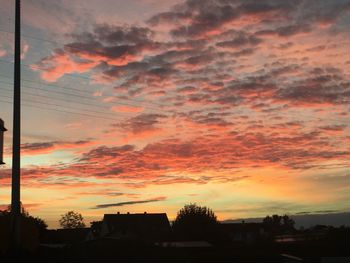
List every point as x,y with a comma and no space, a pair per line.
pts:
146,105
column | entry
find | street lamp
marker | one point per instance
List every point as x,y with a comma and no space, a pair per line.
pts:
2,130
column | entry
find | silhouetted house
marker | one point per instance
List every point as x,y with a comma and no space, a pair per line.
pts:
64,237
244,232
145,226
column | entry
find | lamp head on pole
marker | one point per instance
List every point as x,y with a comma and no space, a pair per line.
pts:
2,130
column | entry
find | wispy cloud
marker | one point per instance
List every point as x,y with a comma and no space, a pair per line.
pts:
158,199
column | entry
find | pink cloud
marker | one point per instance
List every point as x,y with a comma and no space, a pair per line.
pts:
48,147
54,67
2,52
127,109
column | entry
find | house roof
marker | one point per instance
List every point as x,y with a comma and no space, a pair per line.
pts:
144,221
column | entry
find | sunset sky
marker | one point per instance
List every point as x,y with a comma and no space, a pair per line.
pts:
146,105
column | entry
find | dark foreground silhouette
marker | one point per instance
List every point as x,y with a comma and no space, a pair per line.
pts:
195,236
133,251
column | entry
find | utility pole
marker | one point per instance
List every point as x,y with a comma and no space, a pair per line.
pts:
16,151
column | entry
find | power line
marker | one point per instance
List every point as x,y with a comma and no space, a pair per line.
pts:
59,105
50,84
84,97
54,91
60,99
54,70
62,111
160,105
87,92
99,106
89,98
47,97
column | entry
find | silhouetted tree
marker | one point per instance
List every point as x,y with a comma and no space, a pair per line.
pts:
279,224
24,212
37,221
71,220
195,222
32,228
96,228
288,222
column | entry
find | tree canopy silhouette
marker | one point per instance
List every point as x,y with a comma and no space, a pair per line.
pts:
71,220
32,229
37,221
194,222
279,224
